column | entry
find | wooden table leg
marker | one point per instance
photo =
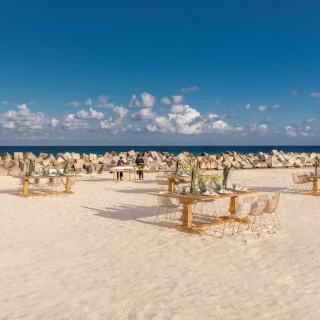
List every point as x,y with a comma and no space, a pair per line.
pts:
68,186
118,176
315,188
25,188
315,185
187,218
233,204
171,185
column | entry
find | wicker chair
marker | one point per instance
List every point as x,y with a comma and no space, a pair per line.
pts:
257,210
270,210
166,203
241,216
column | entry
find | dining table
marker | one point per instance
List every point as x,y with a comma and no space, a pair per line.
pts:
131,170
25,186
187,213
315,185
172,179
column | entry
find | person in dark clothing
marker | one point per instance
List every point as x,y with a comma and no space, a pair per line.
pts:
120,163
140,164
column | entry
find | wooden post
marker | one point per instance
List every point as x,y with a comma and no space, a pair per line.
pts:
315,185
171,184
25,188
187,215
233,204
68,186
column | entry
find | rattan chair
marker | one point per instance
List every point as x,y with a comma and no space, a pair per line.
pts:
257,210
41,186
162,184
300,184
166,203
270,210
55,185
240,217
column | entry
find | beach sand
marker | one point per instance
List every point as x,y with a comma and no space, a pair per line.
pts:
98,255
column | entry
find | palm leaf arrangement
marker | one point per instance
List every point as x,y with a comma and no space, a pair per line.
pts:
194,174
316,166
30,169
176,170
65,169
226,175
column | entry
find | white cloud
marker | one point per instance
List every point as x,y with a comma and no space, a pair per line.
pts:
186,120
315,94
300,122
54,122
262,109
92,114
115,121
175,100
166,100
217,102
5,102
24,120
88,103
70,122
73,104
290,132
147,101
131,128
142,115
189,89
103,103
248,106
294,93
179,108
263,128
120,112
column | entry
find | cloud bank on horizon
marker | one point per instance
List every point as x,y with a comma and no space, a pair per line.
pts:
147,116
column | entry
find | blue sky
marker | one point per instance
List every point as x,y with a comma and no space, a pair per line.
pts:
159,72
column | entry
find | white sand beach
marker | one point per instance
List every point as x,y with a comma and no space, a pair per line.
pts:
97,255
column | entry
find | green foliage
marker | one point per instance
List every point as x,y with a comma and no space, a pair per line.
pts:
65,169
30,168
217,179
187,168
45,170
204,179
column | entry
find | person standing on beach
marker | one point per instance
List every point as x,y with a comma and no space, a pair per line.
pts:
120,163
140,164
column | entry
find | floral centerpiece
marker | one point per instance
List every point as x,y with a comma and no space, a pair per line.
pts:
217,179
226,175
186,168
44,170
58,167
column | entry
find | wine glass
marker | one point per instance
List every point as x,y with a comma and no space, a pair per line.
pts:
234,185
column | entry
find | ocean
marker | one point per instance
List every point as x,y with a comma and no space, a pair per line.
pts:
196,150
